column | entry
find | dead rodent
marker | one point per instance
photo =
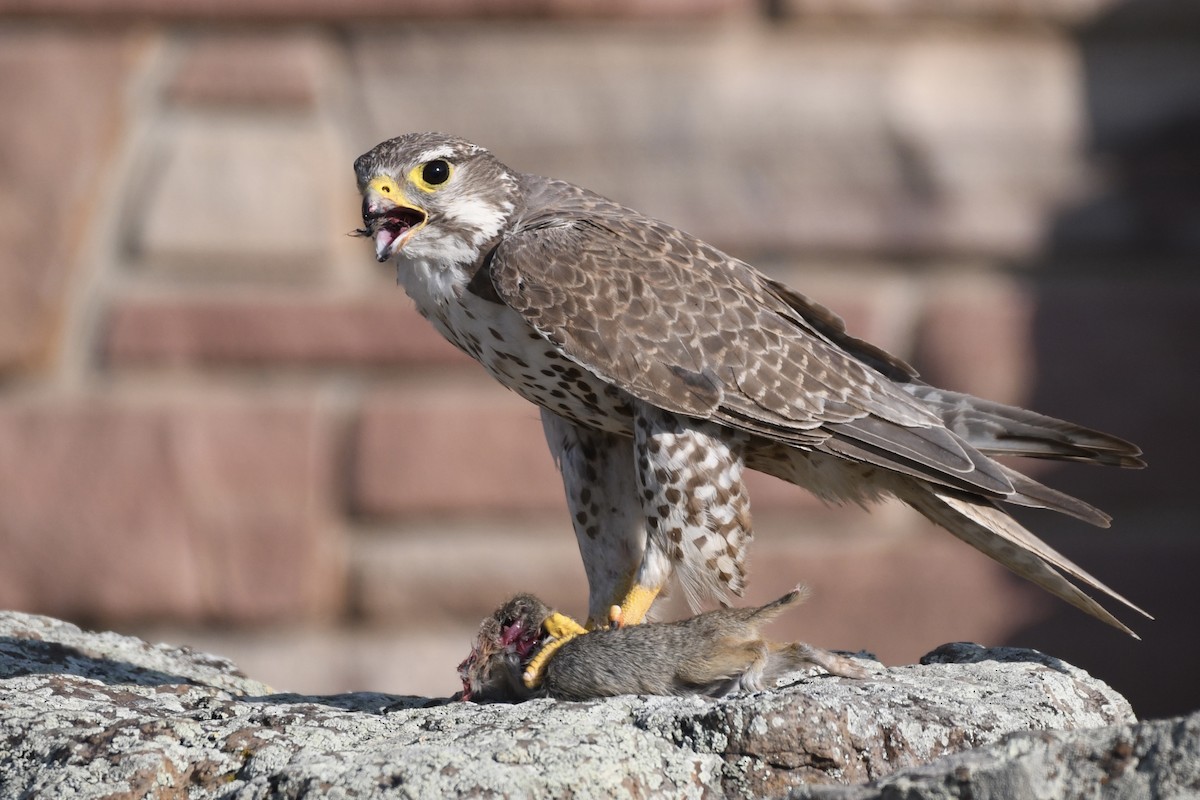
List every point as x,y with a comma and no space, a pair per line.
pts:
710,654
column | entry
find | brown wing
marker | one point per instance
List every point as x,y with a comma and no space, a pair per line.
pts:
680,325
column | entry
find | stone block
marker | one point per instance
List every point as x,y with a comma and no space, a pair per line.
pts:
762,139
424,576
991,130
468,447
63,90
452,448
976,336
395,658
1143,108
250,70
235,199
341,11
977,11
276,329
215,510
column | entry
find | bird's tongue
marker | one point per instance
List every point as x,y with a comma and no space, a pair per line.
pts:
383,242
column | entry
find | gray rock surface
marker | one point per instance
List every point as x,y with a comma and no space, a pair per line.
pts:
87,715
1153,760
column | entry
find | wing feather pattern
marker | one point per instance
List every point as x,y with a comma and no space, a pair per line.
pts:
679,324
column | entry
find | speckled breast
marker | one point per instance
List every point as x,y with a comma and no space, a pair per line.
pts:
520,358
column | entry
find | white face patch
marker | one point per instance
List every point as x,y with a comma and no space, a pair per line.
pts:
471,221
471,213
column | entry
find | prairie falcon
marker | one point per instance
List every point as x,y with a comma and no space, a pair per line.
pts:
664,368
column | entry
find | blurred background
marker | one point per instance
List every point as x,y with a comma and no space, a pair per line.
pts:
222,424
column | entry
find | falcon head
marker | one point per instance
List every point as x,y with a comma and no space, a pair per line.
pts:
432,196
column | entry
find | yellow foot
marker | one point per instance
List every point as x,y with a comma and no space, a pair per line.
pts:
634,607
560,625
563,629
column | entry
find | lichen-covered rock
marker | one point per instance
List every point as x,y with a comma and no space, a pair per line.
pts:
97,715
1157,760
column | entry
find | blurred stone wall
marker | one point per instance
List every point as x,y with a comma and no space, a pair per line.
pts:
222,423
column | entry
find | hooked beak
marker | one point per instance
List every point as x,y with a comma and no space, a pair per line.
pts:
385,219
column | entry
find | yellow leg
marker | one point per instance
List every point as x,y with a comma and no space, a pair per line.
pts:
634,607
563,629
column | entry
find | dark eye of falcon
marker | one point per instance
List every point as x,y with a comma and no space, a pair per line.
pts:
436,172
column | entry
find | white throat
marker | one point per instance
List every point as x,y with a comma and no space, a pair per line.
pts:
432,285
435,266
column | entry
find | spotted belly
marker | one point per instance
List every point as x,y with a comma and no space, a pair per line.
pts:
520,358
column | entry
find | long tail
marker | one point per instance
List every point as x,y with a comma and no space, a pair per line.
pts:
995,429
981,524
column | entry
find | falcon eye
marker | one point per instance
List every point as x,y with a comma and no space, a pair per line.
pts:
429,176
436,172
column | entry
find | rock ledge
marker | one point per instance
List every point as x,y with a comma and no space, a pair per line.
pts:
98,715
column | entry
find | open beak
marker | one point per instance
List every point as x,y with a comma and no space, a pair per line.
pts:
389,222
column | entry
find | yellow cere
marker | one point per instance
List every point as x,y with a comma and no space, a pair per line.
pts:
385,186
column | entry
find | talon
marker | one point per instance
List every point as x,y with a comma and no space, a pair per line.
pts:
561,629
615,616
561,626
536,670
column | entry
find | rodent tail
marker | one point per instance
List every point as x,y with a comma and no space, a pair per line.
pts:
764,614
